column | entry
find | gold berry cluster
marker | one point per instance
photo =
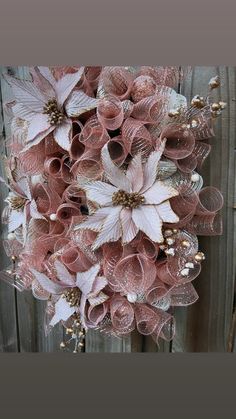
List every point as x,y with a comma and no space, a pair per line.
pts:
128,200
76,335
72,296
55,115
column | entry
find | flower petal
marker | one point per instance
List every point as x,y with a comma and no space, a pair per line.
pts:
166,213
150,167
111,229
38,139
63,274
23,187
22,112
114,174
27,93
46,283
99,299
159,193
47,74
95,221
78,103
135,173
100,192
129,229
62,134
66,84
98,285
37,125
85,280
16,219
44,80
147,220
63,311
34,211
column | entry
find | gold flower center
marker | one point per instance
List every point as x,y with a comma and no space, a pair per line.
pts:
55,116
128,200
16,202
72,296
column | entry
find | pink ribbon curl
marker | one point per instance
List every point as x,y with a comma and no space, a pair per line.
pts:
180,141
136,137
117,81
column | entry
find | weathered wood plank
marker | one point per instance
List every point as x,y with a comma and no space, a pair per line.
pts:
205,326
8,326
98,342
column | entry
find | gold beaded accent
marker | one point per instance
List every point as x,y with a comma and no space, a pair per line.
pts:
214,82
198,102
76,336
128,200
199,257
55,116
72,296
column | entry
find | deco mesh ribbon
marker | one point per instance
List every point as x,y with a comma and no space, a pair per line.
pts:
105,201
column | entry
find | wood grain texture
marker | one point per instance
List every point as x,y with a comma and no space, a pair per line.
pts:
98,342
8,324
205,326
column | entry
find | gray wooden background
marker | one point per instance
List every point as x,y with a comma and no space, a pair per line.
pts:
207,326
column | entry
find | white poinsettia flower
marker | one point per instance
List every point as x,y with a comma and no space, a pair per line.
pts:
21,205
47,104
133,201
73,291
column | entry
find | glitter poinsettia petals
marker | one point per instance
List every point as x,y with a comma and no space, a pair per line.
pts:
100,192
21,111
47,74
78,103
150,168
98,285
114,174
34,211
44,81
111,228
37,125
85,280
63,274
66,84
62,134
63,311
147,220
129,228
166,213
46,283
95,221
135,173
27,93
15,220
159,193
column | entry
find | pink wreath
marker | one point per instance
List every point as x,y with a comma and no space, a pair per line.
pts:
105,201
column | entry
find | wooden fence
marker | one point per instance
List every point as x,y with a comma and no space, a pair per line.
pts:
206,326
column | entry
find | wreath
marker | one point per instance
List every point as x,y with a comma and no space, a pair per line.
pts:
105,200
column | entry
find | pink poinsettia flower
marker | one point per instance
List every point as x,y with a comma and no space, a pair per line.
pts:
47,104
87,286
132,201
